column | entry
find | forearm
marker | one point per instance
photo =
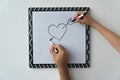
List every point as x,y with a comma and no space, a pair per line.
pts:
64,74
113,38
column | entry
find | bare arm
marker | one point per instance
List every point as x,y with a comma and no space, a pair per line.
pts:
64,75
111,37
61,60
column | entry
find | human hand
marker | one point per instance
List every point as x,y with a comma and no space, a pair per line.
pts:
87,19
61,57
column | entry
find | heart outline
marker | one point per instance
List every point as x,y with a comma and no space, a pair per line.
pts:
53,36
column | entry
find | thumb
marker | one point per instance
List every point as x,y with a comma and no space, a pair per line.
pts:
52,50
79,20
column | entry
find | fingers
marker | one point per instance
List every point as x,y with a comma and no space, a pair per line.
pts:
52,50
81,21
58,47
79,13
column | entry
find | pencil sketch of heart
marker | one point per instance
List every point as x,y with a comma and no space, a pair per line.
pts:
58,31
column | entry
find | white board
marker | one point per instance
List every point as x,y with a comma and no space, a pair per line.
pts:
46,24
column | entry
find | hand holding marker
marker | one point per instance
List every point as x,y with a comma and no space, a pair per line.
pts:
80,16
55,49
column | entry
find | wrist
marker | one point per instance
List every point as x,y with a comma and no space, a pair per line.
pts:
64,74
93,23
62,66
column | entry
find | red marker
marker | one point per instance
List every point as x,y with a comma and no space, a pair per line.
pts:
80,16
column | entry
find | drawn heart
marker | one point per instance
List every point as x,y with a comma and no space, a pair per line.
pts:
57,31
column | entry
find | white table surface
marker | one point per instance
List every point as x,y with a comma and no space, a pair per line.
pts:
14,58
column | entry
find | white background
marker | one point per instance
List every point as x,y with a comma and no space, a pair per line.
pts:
14,59
41,45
